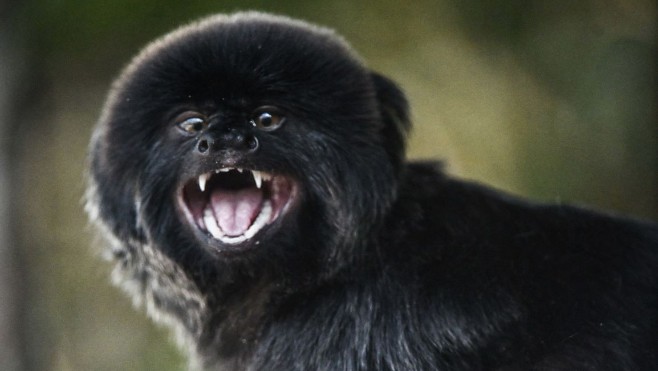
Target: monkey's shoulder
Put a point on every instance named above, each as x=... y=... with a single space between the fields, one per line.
x=436 y=209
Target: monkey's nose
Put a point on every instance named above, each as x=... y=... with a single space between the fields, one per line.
x=238 y=140
x=232 y=139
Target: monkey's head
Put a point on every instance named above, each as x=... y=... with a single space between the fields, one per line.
x=247 y=142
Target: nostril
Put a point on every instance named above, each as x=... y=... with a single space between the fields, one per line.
x=203 y=145
x=252 y=143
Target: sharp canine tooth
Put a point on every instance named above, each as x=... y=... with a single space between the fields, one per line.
x=257 y=178
x=203 y=178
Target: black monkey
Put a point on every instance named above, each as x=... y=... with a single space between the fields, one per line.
x=249 y=174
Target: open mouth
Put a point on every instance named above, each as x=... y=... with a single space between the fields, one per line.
x=233 y=204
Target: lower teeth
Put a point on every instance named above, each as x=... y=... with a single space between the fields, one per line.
x=261 y=220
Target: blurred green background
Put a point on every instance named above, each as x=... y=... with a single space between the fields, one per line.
x=551 y=99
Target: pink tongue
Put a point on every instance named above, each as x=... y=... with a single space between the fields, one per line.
x=235 y=211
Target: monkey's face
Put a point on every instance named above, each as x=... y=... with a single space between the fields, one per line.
x=256 y=138
x=232 y=194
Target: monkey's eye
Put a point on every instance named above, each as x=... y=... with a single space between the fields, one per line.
x=267 y=118
x=191 y=122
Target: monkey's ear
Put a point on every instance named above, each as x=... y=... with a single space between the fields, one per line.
x=110 y=197
x=394 y=109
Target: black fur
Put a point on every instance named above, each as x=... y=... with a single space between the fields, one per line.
x=380 y=264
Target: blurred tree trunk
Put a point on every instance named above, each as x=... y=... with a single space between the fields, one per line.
x=11 y=358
